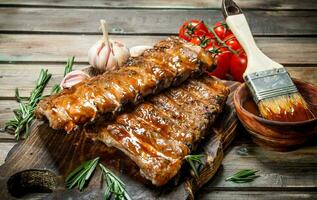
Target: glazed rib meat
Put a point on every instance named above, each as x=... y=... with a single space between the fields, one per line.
x=170 y=62
x=159 y=133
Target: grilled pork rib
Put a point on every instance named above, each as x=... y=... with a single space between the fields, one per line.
x=159 y=133
x=170 y=62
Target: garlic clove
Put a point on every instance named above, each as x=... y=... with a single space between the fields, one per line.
x=138 y=50
x=73 y=78
x=121 y=52
x=112 y=63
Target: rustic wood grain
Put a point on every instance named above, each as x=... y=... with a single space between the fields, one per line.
x=15 y=76
x=4 y=149
x=289 y=175
x=279 y=171
x=56 y=48
x=40 y=151
x=203 y=4
x=259 y=195
x=144 y=21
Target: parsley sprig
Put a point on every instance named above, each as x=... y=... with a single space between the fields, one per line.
x=243 y=176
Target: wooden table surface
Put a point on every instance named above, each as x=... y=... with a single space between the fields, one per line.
x=42 y=34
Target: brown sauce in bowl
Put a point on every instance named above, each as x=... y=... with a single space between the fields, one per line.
x=251 y=106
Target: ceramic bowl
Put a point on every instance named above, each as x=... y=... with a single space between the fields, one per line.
x=281 y=136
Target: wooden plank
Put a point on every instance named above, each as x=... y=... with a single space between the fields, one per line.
x=23 y=76
x=59 y=47
x=52 y=48
x=4 y=149
x=258 y=195
x=6 y=113
x=145 y=21
x=246 y=4
x=278 y=170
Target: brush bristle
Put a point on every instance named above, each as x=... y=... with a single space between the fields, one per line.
x=288 y=108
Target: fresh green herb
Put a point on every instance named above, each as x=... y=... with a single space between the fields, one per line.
x=115 y=186
x=192 y=159
x=81 y=175
x=69 y=65
x=56 y=89
x=68 y=68
x=243 y=176
x=23 y=116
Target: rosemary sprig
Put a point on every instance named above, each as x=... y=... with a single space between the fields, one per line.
x=243 y=176
x=68 y=68
x=114 y=185
x=56 y=89
x=23 y=116
x=81 y=175
x=69 y=65
x=192 y=159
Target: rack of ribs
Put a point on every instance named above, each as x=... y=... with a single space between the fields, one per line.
x=158 y=133
x=170 y=62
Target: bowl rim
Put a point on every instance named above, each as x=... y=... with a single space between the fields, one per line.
x=272 y=122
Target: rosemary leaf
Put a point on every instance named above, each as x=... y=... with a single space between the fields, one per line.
x=56 y=89
x=68 y=68
x=69 y=65
x=243 y=176
x=81 y=174
x=23 y=116
x=192 y=159
x=114 y=185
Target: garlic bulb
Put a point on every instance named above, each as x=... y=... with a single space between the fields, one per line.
x=107 y=55
x=138 y=50
x=73 y=78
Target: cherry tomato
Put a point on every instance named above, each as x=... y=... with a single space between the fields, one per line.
x=232 y=42
x=192 y=28
x=238 y=64
x=214 y=48
x=221 y=29
x=222 y=63
x=196 y=40
x=202 y=41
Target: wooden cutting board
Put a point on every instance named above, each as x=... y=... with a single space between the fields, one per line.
x=43 y=160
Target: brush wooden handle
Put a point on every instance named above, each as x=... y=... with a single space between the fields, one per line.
x=257 y=60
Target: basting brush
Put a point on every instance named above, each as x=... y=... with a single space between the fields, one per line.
x=270 y=84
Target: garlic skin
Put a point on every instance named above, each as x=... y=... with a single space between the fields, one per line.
x=73 y=78
x=121 y=52
x=138 y=50
x=107 y=55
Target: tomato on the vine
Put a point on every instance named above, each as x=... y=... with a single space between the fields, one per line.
x=196 y=40
x=232 y=42
x=222 y=63
x=229 y=57
x=222 y=30
x=238 y=64
x=192 y=28
x=202 y=41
